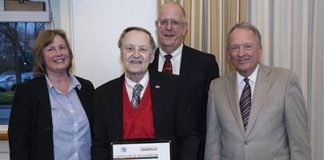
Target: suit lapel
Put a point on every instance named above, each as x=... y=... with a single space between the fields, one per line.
x=43 y=97
x=260 y=93
x=186 y=64
x=156 y=103
x=117 y=107
x=82 y=94
x=231 y=92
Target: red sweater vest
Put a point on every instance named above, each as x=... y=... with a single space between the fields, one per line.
x=138 y=123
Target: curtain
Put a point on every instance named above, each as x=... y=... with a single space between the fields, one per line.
x=293 y=38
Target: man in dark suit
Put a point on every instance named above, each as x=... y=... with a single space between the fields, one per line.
x=162 y=111
x=195 y=68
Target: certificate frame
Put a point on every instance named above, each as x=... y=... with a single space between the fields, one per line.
x=138 y=149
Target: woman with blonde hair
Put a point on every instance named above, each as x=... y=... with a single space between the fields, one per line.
x=52 y=114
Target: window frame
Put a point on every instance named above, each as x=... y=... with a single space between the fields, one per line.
x=22 y=16
x=25 y=16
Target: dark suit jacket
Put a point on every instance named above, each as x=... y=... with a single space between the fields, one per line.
x=197 y=70
x=30 y=125
x=171 y=116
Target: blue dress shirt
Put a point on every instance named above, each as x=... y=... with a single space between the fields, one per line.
x=71 y=129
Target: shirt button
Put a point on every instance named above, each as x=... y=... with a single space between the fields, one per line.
x=245 y=142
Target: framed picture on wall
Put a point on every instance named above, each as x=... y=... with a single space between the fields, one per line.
x=16 y=63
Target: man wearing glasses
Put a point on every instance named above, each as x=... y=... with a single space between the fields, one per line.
x=195 y=68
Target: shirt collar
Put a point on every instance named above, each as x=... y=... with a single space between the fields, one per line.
x=143 y=81
x=74 y=83
x=251 y=77
x=176 y=53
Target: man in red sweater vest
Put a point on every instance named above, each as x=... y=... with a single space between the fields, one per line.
x=156 y=109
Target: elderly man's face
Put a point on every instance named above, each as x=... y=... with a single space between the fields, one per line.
x=136 y=53
x=244 y=50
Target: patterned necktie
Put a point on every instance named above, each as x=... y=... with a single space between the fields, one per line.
x=245 y=103
x=167 y=67
x=136 y=95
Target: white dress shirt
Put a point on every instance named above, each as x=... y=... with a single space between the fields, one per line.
x=240 y=82
x=175 y=60
x=130 y=85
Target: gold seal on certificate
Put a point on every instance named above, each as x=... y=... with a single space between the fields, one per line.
x=154 y=149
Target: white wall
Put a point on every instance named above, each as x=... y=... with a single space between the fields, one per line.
x=95 y=27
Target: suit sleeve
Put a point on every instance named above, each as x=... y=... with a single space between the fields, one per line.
x=86 y=96
x=20 y=125
x=213 y=70
x=213 y=137
x=296 y=121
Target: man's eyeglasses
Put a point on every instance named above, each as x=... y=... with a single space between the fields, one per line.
x=173 y=23
x=237 y=47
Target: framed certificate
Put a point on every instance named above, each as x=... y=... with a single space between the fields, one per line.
x=148 y=149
